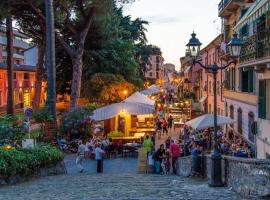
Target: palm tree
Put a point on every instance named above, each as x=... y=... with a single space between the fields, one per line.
x=10 y=65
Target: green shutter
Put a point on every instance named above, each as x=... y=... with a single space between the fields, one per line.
x=262 y=99
x=250 y=80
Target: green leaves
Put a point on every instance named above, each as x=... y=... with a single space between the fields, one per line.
x=27 y=161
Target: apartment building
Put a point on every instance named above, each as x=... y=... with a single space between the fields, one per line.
x=254 y=71
x=155 y=68
x=209 y=56
x=25 y=60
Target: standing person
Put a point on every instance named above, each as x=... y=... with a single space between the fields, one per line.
x=87 y=150
x=159 y=127
x=153 y=140
x=170 y=122
x=168 y=142
x=175 y=153
x=80 y=155
x=164 y=126
x=158 y=157
x=99 y=158
x=147 y=144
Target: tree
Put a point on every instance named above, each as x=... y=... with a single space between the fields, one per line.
x=10 y=65
x=109 y=88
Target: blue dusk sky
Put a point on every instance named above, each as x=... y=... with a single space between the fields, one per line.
x=172 y=22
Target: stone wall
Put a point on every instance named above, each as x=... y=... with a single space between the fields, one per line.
x=58 y=169
x=184 y=166
x=249 y=177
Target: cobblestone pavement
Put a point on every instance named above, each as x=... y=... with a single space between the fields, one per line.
x=119 y=181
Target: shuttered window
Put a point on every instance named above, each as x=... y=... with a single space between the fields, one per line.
x=262 y=99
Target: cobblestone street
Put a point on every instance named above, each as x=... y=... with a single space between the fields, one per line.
x=119 y=181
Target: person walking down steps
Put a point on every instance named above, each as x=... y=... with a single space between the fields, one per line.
x=99 y=158
x=80 y=156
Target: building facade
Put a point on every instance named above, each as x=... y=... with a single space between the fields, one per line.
x=25 y=60
x=253 y=73
x=209 y=56
x=240 y=93
x=155 y=68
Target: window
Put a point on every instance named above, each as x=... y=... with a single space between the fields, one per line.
x=226 y=109
x=210 y=109
x=157 y=75
x=232 y=114
x=14 y=76
x=218 y=88
x=218 y=111
x=230 y=78
x=157 y=67
x=247 y=80
x=264 y=99
x=250 y=123
x=210 y=87
x=4 y=48
x=150 y=74
x=239 y=121
x=26 y=76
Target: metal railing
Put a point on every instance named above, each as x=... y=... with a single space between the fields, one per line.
x=222 y=4
x=256 y=47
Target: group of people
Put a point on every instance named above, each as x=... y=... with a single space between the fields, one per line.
x=164 y=125
x=203 y=138
x=98 y=152
x=165 y=156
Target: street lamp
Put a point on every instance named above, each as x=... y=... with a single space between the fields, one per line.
x=234 y=46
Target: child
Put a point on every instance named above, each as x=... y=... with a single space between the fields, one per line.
x=166 y=164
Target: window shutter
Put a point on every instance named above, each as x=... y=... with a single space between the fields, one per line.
x=262 y=99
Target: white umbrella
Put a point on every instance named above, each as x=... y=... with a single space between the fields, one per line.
x=108 y=112
x=207 y=121
x=139 y=98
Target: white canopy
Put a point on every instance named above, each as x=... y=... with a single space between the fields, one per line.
x=153 y=89
x=108 y=112
x=139 y=98
x=207 y=121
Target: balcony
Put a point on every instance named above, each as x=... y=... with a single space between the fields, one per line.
x=226 y=7
x=248 y=98
x=256 y=47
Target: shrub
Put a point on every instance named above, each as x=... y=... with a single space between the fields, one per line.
x=11 y=130
x=27 y=161
x=77 y=124
x=115 y=134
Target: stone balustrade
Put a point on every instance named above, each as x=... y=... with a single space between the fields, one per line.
x=248 y=177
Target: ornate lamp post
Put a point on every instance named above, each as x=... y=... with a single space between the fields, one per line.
x=235 y=46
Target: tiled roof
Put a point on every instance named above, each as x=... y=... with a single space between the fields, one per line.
x=19 y=67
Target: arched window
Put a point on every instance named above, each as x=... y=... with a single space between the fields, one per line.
x=226 y=109
x=250 y=122
x=231 y=112
x=239 y=120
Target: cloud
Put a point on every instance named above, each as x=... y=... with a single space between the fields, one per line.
x=158 y=19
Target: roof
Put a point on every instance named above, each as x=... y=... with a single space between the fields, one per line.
x=19 y=67
x=15 y=32
x=215 y=42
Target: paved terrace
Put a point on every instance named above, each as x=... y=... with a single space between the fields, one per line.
x=119 y=181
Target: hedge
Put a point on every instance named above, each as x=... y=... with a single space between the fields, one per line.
x=28 y=161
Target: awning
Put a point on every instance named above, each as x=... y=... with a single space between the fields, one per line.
x=187 y=70
x=203 y=99
x=153 y=89
x=255 y=11
x=110 y=111
x=139 y=98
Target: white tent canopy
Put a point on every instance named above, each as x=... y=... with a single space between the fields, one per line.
x=110 y=111
x=207 y=121
x=153 y=89
x=139 y=98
